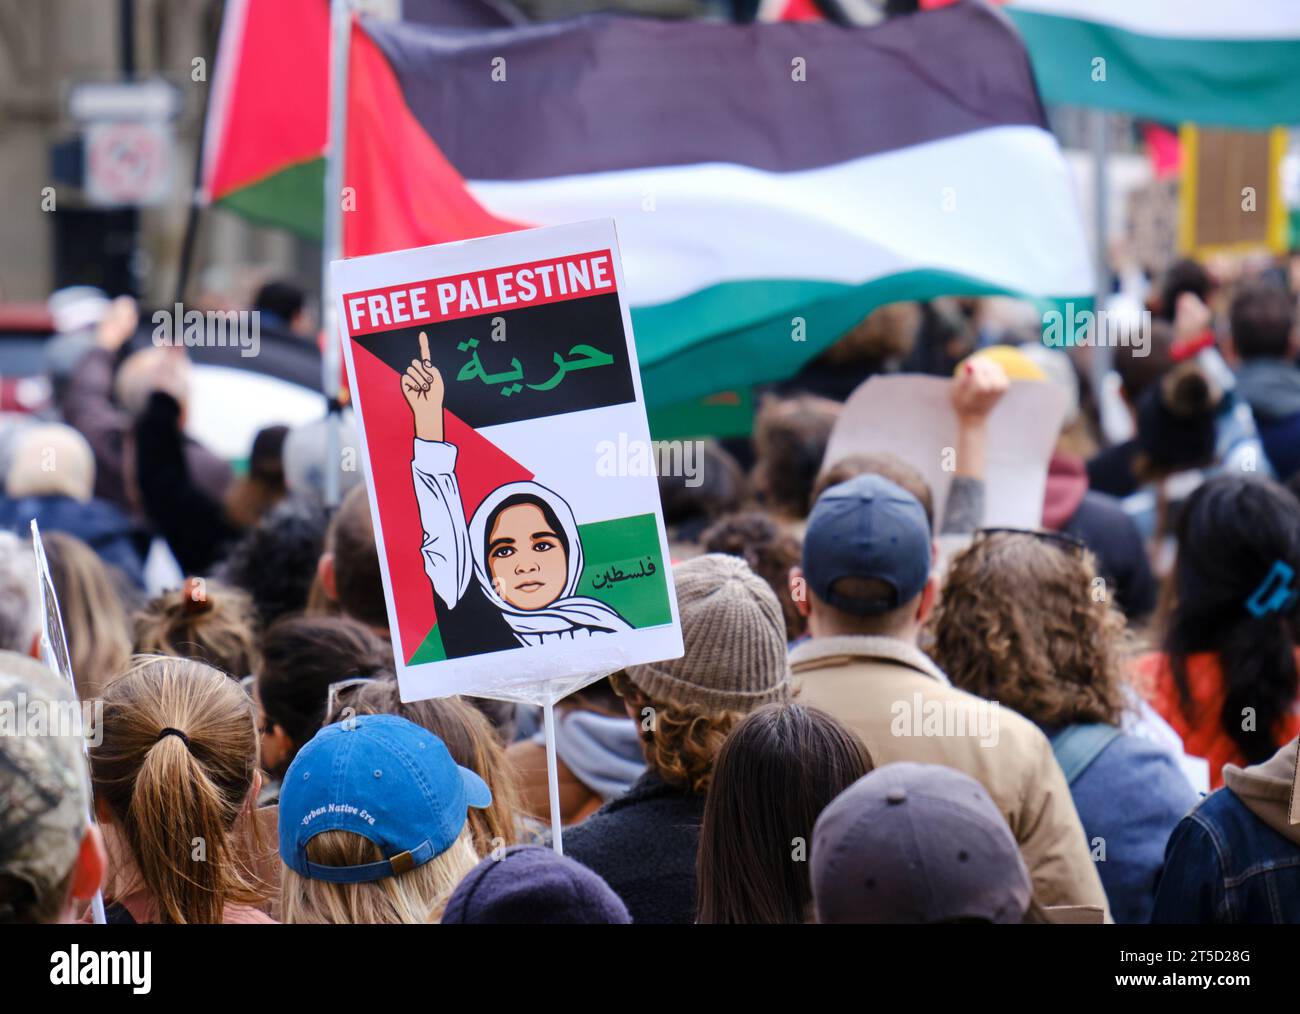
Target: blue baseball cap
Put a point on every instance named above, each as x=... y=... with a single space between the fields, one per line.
x=384 y=778
x=867 y=527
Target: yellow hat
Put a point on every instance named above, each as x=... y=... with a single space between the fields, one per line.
x=1015 y=363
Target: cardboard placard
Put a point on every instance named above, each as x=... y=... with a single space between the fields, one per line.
x=505 y=441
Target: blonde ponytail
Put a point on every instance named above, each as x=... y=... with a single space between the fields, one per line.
x=175 y=768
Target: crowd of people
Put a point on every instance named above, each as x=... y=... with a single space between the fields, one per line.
x=885 y=711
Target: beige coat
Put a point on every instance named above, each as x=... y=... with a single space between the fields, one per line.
x=904 y=708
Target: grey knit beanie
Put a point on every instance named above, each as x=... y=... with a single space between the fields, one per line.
x=734 y=636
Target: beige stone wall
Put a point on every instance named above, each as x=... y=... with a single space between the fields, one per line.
x=48 y=45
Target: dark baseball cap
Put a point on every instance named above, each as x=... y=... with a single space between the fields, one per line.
x=867 y=527
x=530 y=884
x=917 y=843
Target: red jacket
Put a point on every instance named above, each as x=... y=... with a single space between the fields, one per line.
x=1202 y=733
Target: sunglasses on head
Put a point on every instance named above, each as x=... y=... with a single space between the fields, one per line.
x=1059 y=539
x=344 y=689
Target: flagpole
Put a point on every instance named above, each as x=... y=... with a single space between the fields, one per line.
x=553 y=777
x=1102 y=354
x=332 y=241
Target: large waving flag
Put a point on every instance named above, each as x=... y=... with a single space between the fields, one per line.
x=771 y=184
x=268 y=114
x=1201 y=61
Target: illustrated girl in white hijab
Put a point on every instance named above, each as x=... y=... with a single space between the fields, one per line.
x=521 y=546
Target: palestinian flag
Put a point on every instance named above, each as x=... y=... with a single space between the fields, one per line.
x=1199 y=61
x=771 y=184
x=265 y=159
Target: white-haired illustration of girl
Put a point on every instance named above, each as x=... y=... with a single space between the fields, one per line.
x=521 y=546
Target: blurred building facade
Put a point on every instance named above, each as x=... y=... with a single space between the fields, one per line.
x=52 y=233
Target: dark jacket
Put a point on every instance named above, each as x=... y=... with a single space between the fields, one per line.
x=1130 y=798
x=191 y=520
x=1271 y=387
x=644 y=844
x=97 y=523
x=86 y=404
x=1236 y=857
x=1099 y=522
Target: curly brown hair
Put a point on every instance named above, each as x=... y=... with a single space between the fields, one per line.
x=1019 y=622
x=679 y=744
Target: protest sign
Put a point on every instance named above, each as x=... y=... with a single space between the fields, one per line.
x=911 y=417
x=490 y=377
x=54 y=653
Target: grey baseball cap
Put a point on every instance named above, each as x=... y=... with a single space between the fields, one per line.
x=44 y=785
x=917 y=843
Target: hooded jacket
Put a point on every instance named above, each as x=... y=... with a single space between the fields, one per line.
x=1272 y=389
x=1236 y=857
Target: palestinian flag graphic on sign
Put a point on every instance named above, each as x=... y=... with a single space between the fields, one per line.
x=486 y=398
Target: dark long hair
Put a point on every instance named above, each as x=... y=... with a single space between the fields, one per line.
x=514 y=501
x=777 y=770
x=1231 y=533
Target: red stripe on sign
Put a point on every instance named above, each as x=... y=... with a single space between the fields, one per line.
x=480 y=468
x=476 y=292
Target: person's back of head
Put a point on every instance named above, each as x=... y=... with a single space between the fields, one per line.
x=20 y=621
x=1176 y=422
x=373 y=824
x=302 y=657
x=151 y=369
x=867 y=554
x=468 y=736
x=350 y=566
x=1235 y=594
x=203 y=620
x=282 y=297
x=790 y=437
x=1183 y=276
x=1262 y=319
x=176 y=767
x=770 y=552
x=51 y=460
x=51 y=856
x=892 y=467
x=1018 y=623
x=735 y=661
x=917 y=843
x=1136 y=371
x=276 y=561
x=252 y=495
x=716 y=487
x=531 y=885
x=779 y=767
x=90 y=605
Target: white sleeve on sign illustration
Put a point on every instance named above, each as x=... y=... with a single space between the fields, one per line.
x=445 y=548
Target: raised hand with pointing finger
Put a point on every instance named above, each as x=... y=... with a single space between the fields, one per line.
x=423 y=390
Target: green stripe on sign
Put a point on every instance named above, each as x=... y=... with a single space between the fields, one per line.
x=1227 y=82
x=292 y=198
x=693 y=347
x=430 y=649
x=623 y=567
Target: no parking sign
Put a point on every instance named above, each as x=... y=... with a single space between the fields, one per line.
x=128 y=163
